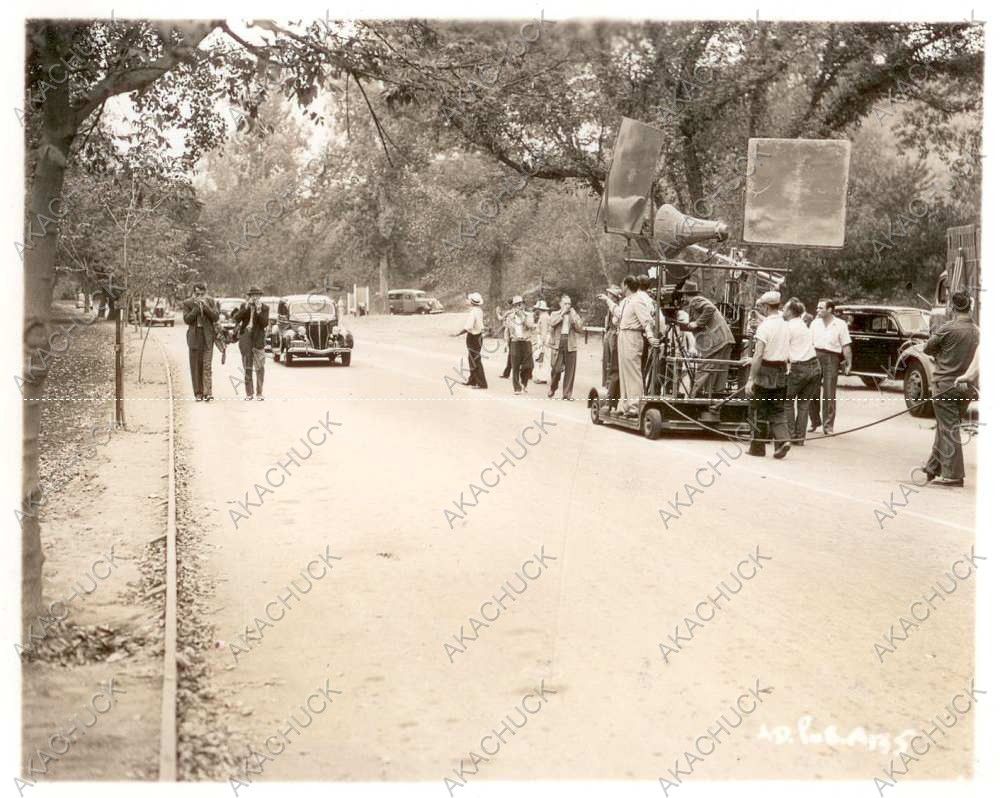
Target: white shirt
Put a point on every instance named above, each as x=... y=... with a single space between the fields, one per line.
x=832 y=337
x=774 y=334
x=474 y=321
x=800 y=345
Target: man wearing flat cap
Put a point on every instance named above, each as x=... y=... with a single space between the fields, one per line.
x=252 y=319
x=953 y=347
x=768 y=380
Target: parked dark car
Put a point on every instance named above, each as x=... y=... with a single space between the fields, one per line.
x=880 y=334
x=227 y=307
x=410 y=300
x=309 y=327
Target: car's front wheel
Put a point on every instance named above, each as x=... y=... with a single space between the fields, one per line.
x=917 y=389
x=289 y=358
x=346 y=358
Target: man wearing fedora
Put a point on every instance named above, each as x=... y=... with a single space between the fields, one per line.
x=200 y=313
x=612 y=297
x=252 y=319
x=713 y=339
x=768 y=380
x=473 y=332
x=519 y=324
x=542 y=356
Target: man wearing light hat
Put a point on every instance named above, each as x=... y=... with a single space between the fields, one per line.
x=473 y=332
x=612 y=297
x=519 y=323
x=252 y=317
x=768 y=380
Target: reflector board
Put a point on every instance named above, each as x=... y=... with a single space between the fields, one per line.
x=633 y=168
x=796 y=192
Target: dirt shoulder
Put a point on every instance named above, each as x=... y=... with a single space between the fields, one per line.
x=91 y=679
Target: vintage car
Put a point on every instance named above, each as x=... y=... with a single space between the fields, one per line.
x=309 y=327
x=410 y=300
x=271 y=335
x=880 y=334
x=158 y=311
x=228 y=305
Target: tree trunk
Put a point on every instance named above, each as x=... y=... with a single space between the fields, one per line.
x=39 y=280
x=495 y=293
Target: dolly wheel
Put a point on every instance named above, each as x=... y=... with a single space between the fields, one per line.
x=652 y=423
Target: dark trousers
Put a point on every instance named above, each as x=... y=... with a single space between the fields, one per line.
x=804 y=381
x=253 y=360
x=474 y=344
x=200 y=362
x=946 y=458
x=610 y=365
x=520 y=363
x=565 y=362
x=506 y=369
x=712 y=377
x=767 y=409
x=829 y=363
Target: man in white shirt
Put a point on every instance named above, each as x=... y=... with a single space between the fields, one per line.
x=768 y=380
x=833 y=345
x=804 y=373
x=473 y=332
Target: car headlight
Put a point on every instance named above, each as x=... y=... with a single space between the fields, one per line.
x=300 y=331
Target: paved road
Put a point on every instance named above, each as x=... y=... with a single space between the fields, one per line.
x=592 y=623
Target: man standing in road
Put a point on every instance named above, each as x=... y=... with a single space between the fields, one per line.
x=833 y=345
x=768 y=380
x=804 y=373
x=953 y=347
x=566 y=325
x=253 y=317
x=200 y=313
x=519 y=323
x=612 y=297
x=634 y=327
x=473 y=332
x=542 y=367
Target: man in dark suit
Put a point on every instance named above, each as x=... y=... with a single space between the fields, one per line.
x=200 y=313
x=252 y=317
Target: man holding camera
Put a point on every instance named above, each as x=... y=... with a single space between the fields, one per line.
x=519 y=323
x=565 y=325
x=252 y=319
x=200 y=313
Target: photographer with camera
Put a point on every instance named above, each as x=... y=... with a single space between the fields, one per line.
x=252 y=319
x=565 y=325
x=519 y=324
x=200 y=313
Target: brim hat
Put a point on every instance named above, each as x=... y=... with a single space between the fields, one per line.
x=254 y=290
x=614 y=290
x=770 y=298
x=517 y=300
x=540 y=305
x=475 y=298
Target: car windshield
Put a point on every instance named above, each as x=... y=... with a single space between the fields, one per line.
x=229 y=304
x=913 y=322
x=312 y=307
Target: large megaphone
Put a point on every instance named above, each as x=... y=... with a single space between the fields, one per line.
x=673 y=230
